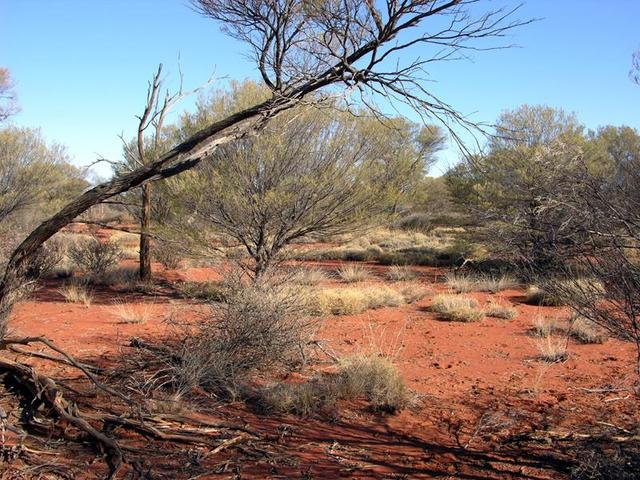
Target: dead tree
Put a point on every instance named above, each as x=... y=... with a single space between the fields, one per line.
x=144 y=150
x=300 y=48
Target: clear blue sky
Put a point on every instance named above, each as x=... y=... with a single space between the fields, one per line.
x=81 y=66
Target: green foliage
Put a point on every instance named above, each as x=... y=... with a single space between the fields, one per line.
x=8 y=104
x=35 y=181
x=36 y=177
x=95 y=257
x=311 y=171
x=530 y=166
x=430 y=204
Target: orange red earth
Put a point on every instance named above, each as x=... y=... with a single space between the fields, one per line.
x=481 y=391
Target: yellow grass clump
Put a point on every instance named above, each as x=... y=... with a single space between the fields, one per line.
x=457 y=308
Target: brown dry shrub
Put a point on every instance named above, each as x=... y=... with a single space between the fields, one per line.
x=258 y=328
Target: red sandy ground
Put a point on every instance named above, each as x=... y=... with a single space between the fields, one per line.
x=480 y=388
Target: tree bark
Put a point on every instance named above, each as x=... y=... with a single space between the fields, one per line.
x=145 y=240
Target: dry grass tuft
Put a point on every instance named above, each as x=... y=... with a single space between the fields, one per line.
x=400 y=273
x=370 y=377
x=585 y=331
x=339 y=301
x=376 y=378
x=354 y=273
x=464 y=283
x=354 y=300
x=304 y=399
x=457 y=308
x=460 y=283
x=538 y=296
x=552 y=349
x=413 y=292
x=76 y=293
x=544 y=327
x=309 y=276
x=498 y=310
x=131 y=312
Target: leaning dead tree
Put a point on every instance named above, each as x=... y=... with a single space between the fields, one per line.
x=300 y=47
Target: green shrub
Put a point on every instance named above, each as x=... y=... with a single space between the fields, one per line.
x=416 y=222
x=95 y=257
x=167 y=255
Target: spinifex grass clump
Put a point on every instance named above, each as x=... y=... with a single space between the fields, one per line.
x=370 y=377
x=457 y=308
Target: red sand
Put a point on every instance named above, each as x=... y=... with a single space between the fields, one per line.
x=479 y=377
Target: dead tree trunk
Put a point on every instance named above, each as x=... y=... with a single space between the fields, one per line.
x=145 y=240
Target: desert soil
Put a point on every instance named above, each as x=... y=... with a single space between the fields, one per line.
x=484 y=403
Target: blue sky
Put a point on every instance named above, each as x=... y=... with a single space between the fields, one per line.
x=81 y=66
